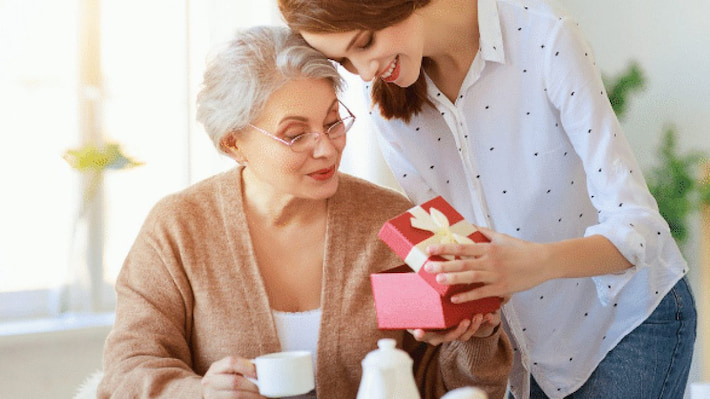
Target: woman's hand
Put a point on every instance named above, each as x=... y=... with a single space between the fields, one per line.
x=504 y=266
x=226 y=378
x=479 y=326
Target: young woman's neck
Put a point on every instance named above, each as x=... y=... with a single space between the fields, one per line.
x=451 y=42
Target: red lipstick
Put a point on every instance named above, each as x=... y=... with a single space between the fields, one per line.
x=323 y=174
x=395 y=72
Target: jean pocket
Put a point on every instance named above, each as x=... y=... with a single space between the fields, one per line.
x=678 y=304
x=667 y=310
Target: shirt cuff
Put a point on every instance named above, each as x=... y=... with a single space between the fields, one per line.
x=631 y=244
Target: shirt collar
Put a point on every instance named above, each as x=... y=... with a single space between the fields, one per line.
x=491 y=39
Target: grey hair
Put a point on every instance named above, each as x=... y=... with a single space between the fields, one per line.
x=241 y=77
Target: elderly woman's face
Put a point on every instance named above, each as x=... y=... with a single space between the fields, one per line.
x=298 y=107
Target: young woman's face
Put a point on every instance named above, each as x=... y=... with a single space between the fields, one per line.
x=299 y=106
x=393 y=54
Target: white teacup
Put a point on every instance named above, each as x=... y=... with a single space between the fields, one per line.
x=284 y=374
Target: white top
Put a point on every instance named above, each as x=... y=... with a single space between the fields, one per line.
x=541 y=156
x=298 y=331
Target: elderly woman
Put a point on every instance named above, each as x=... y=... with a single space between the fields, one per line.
x=274 y=254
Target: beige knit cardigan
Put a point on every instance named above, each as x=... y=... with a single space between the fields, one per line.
x=190 y=293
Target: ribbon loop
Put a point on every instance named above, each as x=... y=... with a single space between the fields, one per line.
x=436 y=222
x=443 y=231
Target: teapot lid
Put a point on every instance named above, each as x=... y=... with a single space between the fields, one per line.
x=387 y=356
x=466 y=393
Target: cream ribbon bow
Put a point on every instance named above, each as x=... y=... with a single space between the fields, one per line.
x=444 y=233
x=436 y=222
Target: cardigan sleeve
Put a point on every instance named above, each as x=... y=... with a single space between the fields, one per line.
x=147 y=353
x=481 y=362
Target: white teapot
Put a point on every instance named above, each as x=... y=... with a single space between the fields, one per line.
x=387 y=374
x=466 y=393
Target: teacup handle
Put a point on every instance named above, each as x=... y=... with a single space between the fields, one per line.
x=254 y=380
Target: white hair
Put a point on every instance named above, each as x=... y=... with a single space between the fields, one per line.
x=248 y=69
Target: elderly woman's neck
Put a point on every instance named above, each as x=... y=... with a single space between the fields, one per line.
x=286 y=212
x=269 y=208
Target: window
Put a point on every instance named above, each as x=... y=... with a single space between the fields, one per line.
x=80 y=71
x=125 y=71
x=38 y=108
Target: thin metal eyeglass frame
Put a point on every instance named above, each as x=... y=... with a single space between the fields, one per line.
x=347 y=122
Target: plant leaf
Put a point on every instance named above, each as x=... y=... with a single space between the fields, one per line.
x=92 y=158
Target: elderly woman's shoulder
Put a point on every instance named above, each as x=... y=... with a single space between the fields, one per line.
x=365 y=194
x=202 y=197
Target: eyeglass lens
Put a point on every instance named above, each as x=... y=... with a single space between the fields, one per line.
x=305 y=142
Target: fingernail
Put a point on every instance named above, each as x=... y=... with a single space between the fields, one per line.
x=455 y=299
x=431 y=249
x=430 y=267
x=441 y=278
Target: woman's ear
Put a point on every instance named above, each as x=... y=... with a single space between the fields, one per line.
x=230 y=147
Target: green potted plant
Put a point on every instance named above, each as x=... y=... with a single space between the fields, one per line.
x=675 y=185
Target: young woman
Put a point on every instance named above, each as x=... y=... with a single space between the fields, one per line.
x=497 y=105
x=274 y=254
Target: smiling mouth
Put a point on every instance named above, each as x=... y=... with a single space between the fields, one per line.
x=392 y=73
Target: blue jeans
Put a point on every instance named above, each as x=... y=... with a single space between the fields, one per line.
x=653 y=361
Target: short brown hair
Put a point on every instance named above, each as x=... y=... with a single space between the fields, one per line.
x=333 y=16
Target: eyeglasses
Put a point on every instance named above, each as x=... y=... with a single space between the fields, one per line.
x=305 y=142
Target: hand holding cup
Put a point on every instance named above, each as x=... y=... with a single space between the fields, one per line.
x=284 y=374
x=274 y=375
x=229 y=376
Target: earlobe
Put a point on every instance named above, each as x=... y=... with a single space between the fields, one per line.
x=237 y=155
x=229 y=146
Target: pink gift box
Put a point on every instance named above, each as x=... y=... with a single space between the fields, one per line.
x=404 y=299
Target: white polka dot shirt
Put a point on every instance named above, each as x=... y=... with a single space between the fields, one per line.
x=531 y=148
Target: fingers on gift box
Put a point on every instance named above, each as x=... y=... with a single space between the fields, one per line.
x=409 y=297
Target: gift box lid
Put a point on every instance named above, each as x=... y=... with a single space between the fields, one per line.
x=435 y=221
